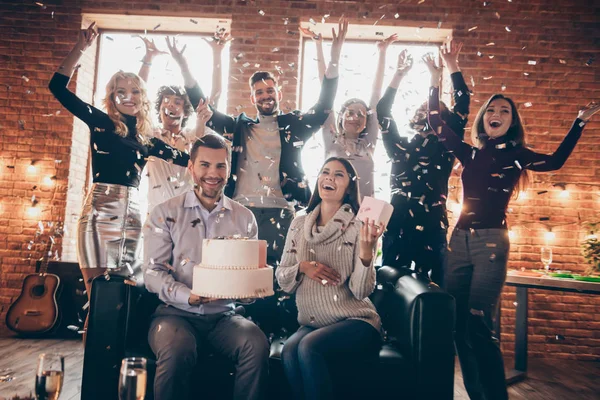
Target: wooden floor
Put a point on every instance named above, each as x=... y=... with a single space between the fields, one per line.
x=548 y=379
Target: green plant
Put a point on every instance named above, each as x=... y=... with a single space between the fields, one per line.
x=590 y=248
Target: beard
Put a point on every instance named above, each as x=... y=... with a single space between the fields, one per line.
x=268 y=109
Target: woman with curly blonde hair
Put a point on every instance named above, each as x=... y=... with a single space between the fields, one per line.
x=109 y=229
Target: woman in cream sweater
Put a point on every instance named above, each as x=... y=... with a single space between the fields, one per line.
x=328 y=261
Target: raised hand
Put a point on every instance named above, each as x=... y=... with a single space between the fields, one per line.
x=588 y=111
x=450 y=52
x=385 y=43
x=405 y=62
x=203 y=112
x=307 y=32
x=434 y=70
x=176 y=53
x=87 y=37
x=320 y=272
x=338 y=40
x=369 y=236
x=151 y=49
x=218 y=41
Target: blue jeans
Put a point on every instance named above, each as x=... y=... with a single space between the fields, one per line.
x=475 y=275
x=306 y=352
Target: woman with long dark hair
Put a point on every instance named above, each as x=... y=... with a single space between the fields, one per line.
x=328 y=262
x=477 y=263
x=109 y=230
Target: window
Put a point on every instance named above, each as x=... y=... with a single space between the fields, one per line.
x=357 y=66
x=123 y=51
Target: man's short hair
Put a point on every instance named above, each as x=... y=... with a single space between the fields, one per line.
x=178 y=91
x=212 y=141
x=261 y=76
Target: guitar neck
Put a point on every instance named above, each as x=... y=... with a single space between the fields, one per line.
x=46 y=257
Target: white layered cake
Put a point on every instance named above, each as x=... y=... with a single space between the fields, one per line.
x=233 y=269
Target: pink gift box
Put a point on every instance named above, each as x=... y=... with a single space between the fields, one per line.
x=375 y=210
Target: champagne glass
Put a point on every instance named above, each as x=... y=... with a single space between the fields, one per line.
x=132 y=381
x=49 y=376
x=546 y=257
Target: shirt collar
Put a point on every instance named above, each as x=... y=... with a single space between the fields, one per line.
x=267 y=118
x=192 y=201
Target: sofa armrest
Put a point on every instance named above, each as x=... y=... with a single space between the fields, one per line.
x=419 y=319
x=119 y=315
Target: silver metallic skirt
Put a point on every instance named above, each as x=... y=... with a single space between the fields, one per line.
x=109 y=233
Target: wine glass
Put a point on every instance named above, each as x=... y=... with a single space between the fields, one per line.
x=132 y=381
x=49 y=376
x=546 y=257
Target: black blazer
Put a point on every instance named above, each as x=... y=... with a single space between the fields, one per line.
x=295 y=128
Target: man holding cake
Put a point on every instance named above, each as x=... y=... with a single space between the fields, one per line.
x=175 y=237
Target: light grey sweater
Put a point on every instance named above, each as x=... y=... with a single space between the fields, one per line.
x=337 y=246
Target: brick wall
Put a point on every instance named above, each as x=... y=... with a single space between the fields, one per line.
x=560 y=36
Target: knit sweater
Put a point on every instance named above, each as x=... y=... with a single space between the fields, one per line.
x=337 y=246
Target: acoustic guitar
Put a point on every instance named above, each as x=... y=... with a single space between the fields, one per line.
x=36 y=311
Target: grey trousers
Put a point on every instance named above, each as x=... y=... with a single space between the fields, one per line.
x=176 y=336
x=474 y=275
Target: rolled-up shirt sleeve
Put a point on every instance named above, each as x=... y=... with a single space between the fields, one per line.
x=158 y=252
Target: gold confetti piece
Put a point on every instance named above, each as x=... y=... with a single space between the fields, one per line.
x=532 y=62
x=491 y=44
x=507 y=28
x=528 y=104
x=472 y=29
x=261 y=12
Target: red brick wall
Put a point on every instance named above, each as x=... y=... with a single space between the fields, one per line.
x=34 y=41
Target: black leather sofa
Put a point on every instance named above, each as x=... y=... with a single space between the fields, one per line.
x=415 y=362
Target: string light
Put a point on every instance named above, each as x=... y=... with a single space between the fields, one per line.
x=456 y=208
x=564 y=194
x=522 y=195
x=48 y=180
x=512 y=234
x=33 y=212
x=31 y=169
x=549 y=235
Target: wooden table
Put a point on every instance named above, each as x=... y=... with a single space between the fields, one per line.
x=523 y=283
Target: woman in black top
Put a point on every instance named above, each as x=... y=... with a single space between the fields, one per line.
x=110 y=223
x=479 y=246
x=421 y=166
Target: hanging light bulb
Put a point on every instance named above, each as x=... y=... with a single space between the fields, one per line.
x=564 y=194
x=33 y=212
x=512 y=234
x=549 y=235
x=31 y=169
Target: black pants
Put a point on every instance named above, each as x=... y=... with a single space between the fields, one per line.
x=427 y=248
